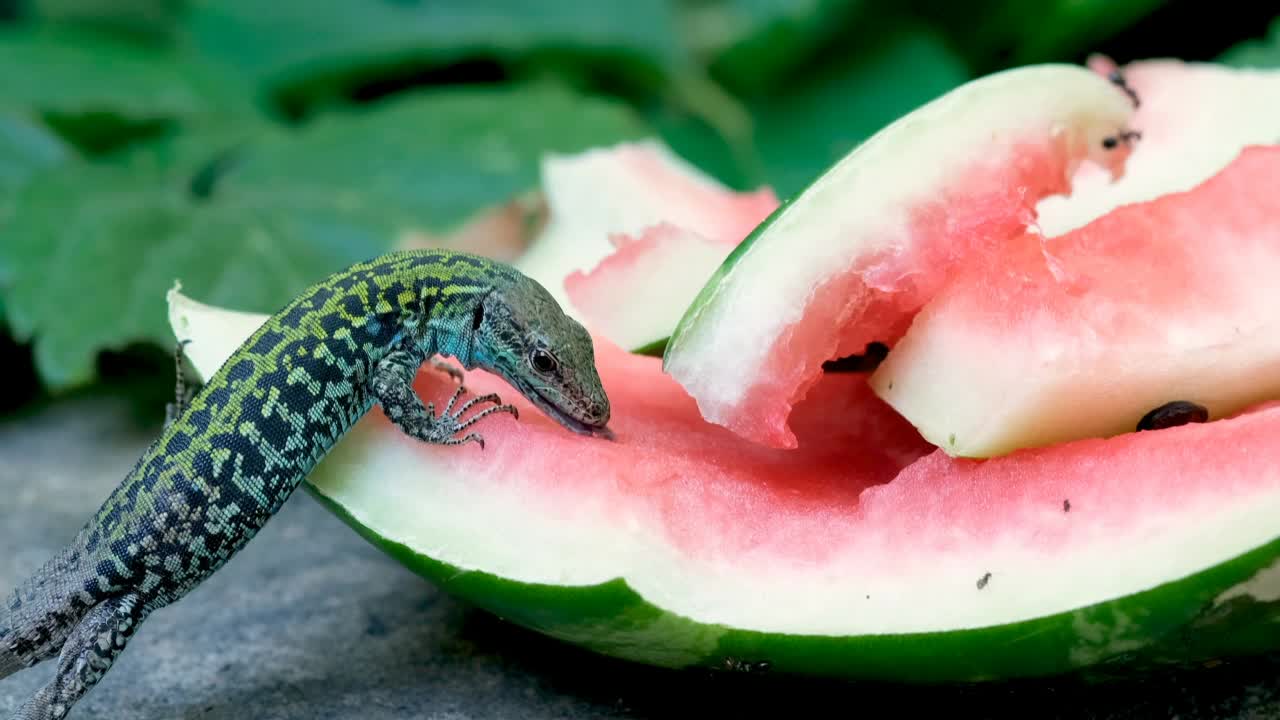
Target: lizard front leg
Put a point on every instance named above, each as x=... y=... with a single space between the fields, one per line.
x=89 y=652
x=392 y=387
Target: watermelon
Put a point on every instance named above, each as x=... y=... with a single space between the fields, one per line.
x=636 y=295
x=861 y=549
x=605 y=199
x=1194 y=118
x=864 y=553
x=850 y=259
x=1156 y=302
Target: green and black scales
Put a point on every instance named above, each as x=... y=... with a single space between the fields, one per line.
x=229 y=458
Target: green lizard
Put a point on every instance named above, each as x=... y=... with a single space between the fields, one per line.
x=230 y=457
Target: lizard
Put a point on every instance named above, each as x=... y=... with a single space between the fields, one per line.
x=232 y=453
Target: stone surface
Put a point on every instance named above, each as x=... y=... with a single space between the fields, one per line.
x=310 y=621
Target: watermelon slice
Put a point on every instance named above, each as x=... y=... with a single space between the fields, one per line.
x=1188 y=323
x=851 y=259
x=1168 y=300
x=636 y=296
x=864 y=553
x=599 y=197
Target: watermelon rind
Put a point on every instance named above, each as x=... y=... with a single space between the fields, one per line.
x=1207 y=616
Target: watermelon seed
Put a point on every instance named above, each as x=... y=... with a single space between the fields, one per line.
x=951 y=439
x=869 y=360
x=1066 y=506
x=982 y=581
x=1173 y=414
x=1117 y=78
x=1111 y=142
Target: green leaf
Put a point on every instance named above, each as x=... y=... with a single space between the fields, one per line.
x=825 y=114
x=750 y=45
x=98 y=90
x=25 y=148
x=93 y=248
x=296 y=50
x=438 y=157
x=695 y=140
x=149 y=20
x=1262 y=53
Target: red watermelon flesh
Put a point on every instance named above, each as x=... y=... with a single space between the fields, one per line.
x=1152 y=303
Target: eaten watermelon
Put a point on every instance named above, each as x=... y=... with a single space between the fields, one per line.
x=1194 y=119
x=1157 y=302
x=849 y=260
x=863 y=550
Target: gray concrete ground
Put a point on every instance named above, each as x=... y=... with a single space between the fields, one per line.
x=310 y=621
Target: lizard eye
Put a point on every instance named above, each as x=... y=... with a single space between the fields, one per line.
x=542 y=361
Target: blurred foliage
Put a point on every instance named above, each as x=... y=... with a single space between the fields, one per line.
x=247 y=147
x=152 y=21
x=26 y=148
x=355 y=48
x=1261 y=53
x=249 y=218
x=846 y=98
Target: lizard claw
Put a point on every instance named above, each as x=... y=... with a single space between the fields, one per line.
x=450 y=423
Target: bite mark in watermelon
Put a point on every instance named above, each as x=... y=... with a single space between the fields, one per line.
x=1154 y=302
x=851 y=259
x=1195 y=118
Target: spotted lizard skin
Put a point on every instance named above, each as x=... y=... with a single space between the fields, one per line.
x=229 y=458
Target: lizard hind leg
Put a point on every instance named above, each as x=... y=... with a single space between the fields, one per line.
x=181 y=393
x=37 y=617
x=89 y=652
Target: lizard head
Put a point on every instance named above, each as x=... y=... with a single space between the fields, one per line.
x=522 y=334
